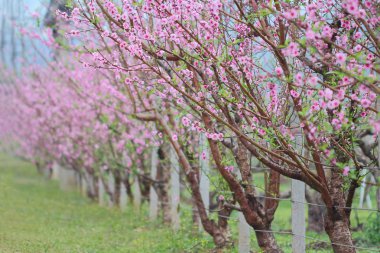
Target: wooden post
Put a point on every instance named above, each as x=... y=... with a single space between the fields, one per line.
x=78 y=180
x=111 y=185
x=55 y=171
x=123 y=197
x=175 y=189
x=298 y=210
x=204 y=185
x=83 y=184
x=101 y=191
x=244 y=234
x=91 y=185
x=244 y=230
x=136 y=194
x=153 y=197
x=67 y=179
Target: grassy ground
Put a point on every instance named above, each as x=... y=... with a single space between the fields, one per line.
x=35 y=216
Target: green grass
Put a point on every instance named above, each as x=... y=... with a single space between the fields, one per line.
x=35 y=216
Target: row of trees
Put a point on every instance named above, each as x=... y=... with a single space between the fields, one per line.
x=293 y=84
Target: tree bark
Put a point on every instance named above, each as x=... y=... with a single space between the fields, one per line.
x=128 y=187
x=163 y=177
x=254 y=212
x=219 y=238
x=337 y=224
x=267 y=242
x=117 y=189
x=340 y=235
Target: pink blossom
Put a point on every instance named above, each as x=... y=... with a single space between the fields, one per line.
x=204 y=155
x=229 y=168
x=328 y=94
x=185 y=121
x=294 y=94
x=278 y=71
x=261 y=132
x=346 y=171
x=365 y=103
x=291 y=14
x=313 y=80
x=340 y=58
x=333 y=104
x=310 y=35
x=326 y=31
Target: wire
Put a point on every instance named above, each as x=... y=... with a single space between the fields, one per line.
x=317 y=240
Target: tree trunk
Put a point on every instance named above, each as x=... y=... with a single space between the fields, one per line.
x=195 y=213
x=209 y=225
x=95 y=184
x=254 y=212
x=117 y=189
x=163 y=177
x=337 y=224
x=107 y=188
x=340 y=236
x=128 y=187
x=267 y=242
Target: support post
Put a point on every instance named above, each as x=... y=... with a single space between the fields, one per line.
x=83 y=183
x=298 y=209
x=153 y=197
x=136 y=194
x=101 y=191
x=244 y=234
x=175 y=189
x=55 y=171
x=298 y=216
x=204 y=184
x=111 y=185
x=123 y=197
x=244 y=231
x=67 y=179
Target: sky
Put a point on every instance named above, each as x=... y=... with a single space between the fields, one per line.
x=12 y=47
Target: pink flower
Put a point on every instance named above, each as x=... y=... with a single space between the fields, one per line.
x=313 y=80
x=279 y=71
x=271 y=86
x=174 y=137
x=328 y=94
x=326 y=31
x=229 y=168
x=376 y=126
x=372 y=96
x=294 y=94
x=203 y=155
x=357 y=48
x=262 y=132
x=186 y=121
x=333 y=104
x=340 y=58
x=310 y=35
x=315 y=107
x=346 y=171
x=365 y=103
x=291 y=14
x=221 y=198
